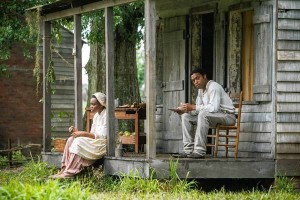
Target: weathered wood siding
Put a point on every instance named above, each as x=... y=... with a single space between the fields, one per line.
x=256 y=131
x=62 y=101
x=288 y=88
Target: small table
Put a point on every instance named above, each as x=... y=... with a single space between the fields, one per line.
x=135 y=114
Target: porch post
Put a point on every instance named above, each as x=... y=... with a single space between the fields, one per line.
x=150 y=66
x=77 y=71
x=110 y=107
x=46 y=88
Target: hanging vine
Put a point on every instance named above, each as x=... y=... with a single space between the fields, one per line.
x=33 y=21
x=50 y=74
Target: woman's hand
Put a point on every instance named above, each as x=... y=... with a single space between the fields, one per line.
x=72 y=129
x=78 y=134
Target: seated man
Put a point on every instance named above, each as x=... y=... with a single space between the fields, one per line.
x=213 y=106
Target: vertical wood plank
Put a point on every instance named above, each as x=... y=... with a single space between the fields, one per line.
x=78 y=71
x=150 y=65
x=220 y=42
x=109 y=41
x=247 y=56
x=46 y=88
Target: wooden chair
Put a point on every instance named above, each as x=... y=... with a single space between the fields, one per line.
x=222 y=131
x=89 y=119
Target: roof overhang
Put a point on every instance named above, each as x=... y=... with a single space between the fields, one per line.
x=67 y=8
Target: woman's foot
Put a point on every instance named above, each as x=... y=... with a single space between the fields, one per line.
x=59 y=176
x=61 y=171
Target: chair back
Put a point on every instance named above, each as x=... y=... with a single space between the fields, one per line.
x=239 y=113
x=89 y=119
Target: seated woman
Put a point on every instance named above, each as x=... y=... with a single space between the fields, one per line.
x=83 y=148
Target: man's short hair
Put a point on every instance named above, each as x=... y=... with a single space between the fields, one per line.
x=202 y=71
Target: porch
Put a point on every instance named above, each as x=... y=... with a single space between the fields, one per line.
x=208 y=168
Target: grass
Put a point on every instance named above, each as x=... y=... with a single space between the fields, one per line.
x=31 y=182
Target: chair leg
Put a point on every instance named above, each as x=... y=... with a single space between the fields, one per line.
x=236 y=147
x=226 y=142
x=216 y=142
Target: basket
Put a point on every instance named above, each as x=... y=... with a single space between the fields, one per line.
x=59 y=144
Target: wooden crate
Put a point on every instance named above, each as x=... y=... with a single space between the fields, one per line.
x=128 y=139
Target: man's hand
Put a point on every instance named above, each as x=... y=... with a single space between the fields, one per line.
x=187 y=107
x=179 y=111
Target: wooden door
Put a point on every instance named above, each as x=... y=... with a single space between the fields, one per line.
x=174 y=73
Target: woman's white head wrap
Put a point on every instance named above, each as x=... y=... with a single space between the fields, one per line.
x=101 y=98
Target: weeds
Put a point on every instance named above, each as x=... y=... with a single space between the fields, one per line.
x=16 y=156
x=135 y=183
x=31 y=182
x=177 y=184
x=284 y=184
x=3 y=161
x=52 y=189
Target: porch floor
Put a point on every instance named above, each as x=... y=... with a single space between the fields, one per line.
x=209 y=167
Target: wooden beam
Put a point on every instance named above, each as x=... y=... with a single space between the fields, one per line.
x=195 y=168
x=110 y=108
x=46 y=89
x=86 y=8
x=78 y=71
x=150 y=66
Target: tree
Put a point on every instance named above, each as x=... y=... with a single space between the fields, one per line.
x=13 y=30
x=128 y=21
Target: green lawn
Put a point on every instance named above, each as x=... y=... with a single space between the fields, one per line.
x=31 y=182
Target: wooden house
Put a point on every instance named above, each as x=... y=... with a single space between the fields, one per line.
x=248 y=45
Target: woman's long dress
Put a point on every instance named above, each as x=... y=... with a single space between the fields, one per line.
x=81 y=152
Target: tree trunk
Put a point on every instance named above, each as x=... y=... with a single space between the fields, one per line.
x=96 y=65
x=96 y=69
x=126 y=82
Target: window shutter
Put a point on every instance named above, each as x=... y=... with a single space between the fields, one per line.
x=235 y=47
x=263 y=48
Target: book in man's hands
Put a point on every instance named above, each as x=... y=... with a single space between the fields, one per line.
x=175 y=109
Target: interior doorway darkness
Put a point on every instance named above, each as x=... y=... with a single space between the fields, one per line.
x=202 y=45
x=202 y=41
x=207 y=53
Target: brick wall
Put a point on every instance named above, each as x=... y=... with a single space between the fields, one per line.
x=21 y=113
